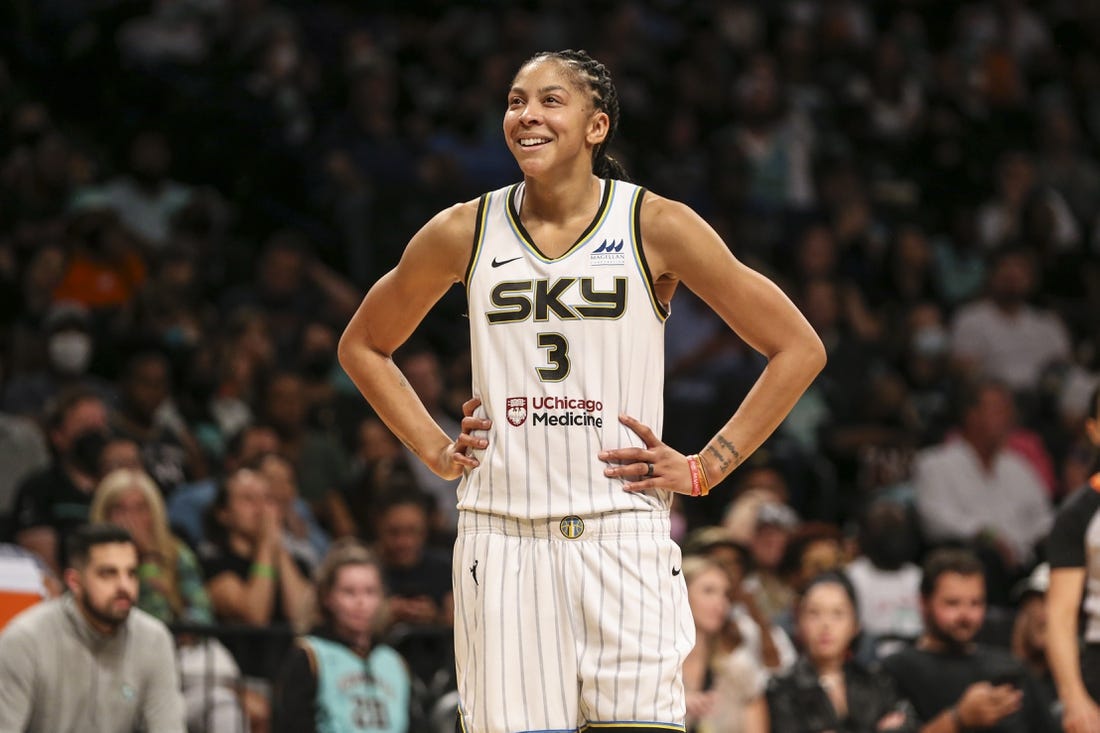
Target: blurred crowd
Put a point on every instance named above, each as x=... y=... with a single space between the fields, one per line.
x=195 y=194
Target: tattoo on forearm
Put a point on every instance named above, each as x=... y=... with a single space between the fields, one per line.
x=728 y=458
x=723 y=462
x=735 y=455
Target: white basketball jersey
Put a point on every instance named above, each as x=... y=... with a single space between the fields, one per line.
x=561 y=347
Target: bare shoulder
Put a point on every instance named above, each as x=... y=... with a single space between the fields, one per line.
x=663 y=218
x=677 y=240
x=453 y=226
x=457 y=221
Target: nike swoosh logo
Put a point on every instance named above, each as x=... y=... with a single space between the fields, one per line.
x=675 y=571
x=498 y=263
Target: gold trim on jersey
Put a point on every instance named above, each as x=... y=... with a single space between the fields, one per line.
x=629 y=726
x=521 y=232
x=659 y=308
x=479 y=236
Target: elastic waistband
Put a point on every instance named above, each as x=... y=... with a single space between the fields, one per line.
x=572 y=528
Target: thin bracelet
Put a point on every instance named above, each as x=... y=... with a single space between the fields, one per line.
x=703 y=474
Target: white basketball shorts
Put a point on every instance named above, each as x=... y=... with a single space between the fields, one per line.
x=574 y=624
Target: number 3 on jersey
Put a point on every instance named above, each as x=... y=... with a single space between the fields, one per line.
x=557 y=354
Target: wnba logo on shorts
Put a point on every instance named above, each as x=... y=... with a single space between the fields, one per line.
x=572 y=527
x=516 y=410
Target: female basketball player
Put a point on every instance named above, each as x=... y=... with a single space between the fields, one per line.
x=570 y=606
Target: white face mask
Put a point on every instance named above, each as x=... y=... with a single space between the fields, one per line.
x=70 y=351
x=930 y=341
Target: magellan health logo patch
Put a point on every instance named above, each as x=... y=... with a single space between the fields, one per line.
x=517 y=410
x=610 y=252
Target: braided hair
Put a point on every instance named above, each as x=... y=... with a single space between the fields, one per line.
x=590 y=73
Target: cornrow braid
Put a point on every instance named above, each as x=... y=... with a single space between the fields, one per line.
x=589 y=72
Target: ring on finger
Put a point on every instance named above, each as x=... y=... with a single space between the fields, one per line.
x=649 y=470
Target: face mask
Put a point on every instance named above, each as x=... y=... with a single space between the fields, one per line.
x=85 y=450
x=318 y=365
x=70 y=351
x=930 y=341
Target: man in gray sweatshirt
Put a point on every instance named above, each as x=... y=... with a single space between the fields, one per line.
x=89 y=661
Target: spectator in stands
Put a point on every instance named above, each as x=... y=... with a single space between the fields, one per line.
x=70 y=346
x=318 y=456
x=1001 y=220
x=724 y=682
x=146 y=414
x=145 y=197
x=245 y=357
x=772 y=528
x=53 y=501
x=1029 y=636
x=954 y=683
x=301 y=535
x=1064 y=165
x=341 y=676
x=775 y=141
x=104 y=270
x=89 y=660
x=973 y=490
x=171 y=311
x=925 y=365
x=378 y=463
x=251 y=578
x=885 y=576
x=170 y=588
x=758 y=481
x=118 y=452
x=22 y=452
x=765 y=641
x=813 y=548
x=34 y=283
x=827 y=690
x=188 y=503
x=1002 y=335
x=417 y=576
x=291 y=287
x=39 y=170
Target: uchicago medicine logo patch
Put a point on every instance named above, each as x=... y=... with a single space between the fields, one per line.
x=557 y=411
x=517 y=410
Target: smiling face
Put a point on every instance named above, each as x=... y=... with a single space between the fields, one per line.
x=550 y=122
